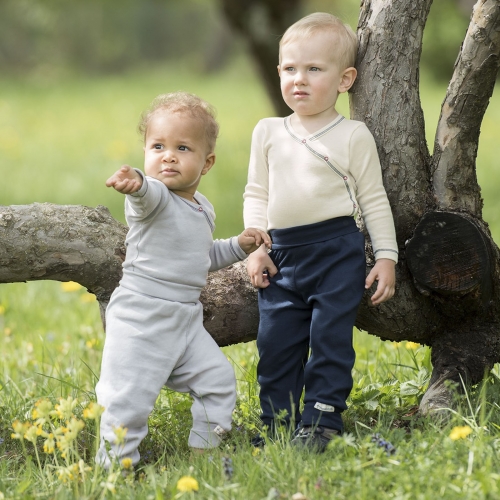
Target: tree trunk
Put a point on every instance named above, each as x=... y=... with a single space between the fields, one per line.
x=262 y=23
x=448 y=276
x=447 y=295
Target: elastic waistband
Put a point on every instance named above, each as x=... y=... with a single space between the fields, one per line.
x=312 y=233
x=174 y=292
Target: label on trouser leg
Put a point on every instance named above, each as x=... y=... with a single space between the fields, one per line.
x=323 y=407
x=220 y=431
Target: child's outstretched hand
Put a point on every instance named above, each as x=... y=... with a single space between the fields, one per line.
x=384 y=272
x=125 y=181
x=251 y=239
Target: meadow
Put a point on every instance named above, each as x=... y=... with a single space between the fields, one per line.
x=60 y=138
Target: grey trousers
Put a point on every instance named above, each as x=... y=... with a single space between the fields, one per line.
x=150 y=343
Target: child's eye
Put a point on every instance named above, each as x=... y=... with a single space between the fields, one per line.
x=157 y=146
x=314 y=68
x=183 y=148
x=290 y=68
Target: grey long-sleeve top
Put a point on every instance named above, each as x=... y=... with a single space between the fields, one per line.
x=170 y=248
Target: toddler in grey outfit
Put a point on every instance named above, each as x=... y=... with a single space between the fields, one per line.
x=154 y=320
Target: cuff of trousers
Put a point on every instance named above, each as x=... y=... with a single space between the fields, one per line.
x=324 y=419
x=210 y=436
x=105 y=459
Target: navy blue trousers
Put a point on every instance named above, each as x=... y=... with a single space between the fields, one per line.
x=307 y=315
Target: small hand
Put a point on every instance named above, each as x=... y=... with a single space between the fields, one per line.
x=251 y=239
x=260 y=268
x=125 y=181
x=384 y=272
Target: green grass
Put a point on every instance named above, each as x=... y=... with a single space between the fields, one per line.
x=59 y=141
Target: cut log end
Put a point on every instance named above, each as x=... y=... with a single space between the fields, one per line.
x=448 y=254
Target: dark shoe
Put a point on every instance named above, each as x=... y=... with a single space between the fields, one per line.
x=258 y=441
x=274 y=434
x=314 y=438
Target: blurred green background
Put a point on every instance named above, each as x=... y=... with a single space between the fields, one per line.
x=75 y=76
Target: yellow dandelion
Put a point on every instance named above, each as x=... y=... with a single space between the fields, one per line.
x=20 y=429
x=2 y=310
x=256 y=452
x=109 y=484
x=49 y=444
x=120 y=433
x=61 y=430
x=64 y=410
x=412 y=345
x=74 y=427
x=127 y=463
x=83 y=468
x=70 y=286
x=93 y=411
x=91 y=343
x=187 y=483
x=31 y=434
x=62 y=474
x=88 y=297
x=460 y=432
x=67 y=474
x=42 y=410
x=7 y=332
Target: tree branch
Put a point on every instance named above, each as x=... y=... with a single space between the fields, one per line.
x=386 y=97
x=86 y=245
x=457 y=136
x=43 y=241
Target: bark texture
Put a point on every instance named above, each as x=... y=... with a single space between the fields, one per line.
x=43 y=241
x=454 y=178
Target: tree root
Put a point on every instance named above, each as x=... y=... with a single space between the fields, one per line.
x=439 y=398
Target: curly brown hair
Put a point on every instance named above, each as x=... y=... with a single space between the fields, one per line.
x=183 y=102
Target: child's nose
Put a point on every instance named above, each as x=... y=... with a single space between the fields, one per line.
x=169 y=156
x=300 y=78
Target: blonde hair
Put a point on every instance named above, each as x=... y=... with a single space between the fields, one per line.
x=183 y=102
x=345 y=40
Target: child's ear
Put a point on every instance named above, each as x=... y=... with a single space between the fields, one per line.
x=347 y=79
x=279 y=70
x=209 y=163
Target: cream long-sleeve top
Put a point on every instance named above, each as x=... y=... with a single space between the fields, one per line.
x=334 y=172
